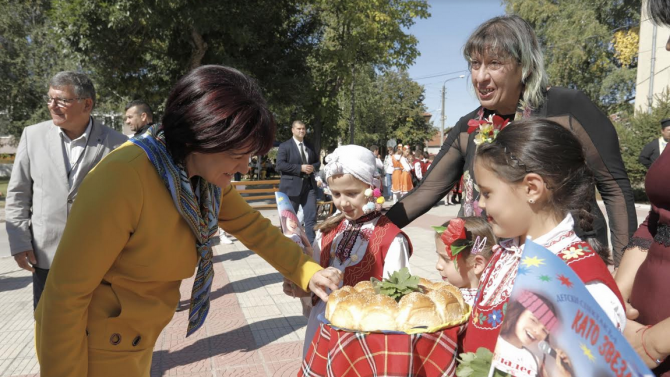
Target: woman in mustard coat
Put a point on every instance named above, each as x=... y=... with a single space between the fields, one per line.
x=143 y=222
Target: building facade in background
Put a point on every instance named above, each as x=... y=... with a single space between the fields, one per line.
x=653 y=67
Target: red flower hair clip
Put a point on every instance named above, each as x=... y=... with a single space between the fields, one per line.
x=455 y=231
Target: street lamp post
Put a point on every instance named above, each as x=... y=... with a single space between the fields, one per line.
x=444 y=91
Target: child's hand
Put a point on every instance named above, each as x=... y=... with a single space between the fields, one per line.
x=328 y=278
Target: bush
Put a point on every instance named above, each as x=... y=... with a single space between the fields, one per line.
x=635 y=131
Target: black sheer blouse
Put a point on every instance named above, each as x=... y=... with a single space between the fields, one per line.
x=570 y=108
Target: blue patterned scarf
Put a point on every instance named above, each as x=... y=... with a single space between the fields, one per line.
x=198 y=206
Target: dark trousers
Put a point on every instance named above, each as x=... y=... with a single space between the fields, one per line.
x=39 y=280
x=306 y=199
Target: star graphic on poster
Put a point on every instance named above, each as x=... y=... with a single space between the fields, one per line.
x=523 y=270
x=533 y=262
x=565 y=281
x=587 y=352
x=280 y=199
x=545 y=278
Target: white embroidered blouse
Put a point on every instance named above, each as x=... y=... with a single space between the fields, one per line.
x=499 y=285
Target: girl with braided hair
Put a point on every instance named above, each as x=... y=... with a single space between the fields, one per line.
x=532 y=178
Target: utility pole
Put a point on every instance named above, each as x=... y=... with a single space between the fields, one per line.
x=443 y=117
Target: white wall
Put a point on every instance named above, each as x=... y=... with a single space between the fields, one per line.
x=661 y=72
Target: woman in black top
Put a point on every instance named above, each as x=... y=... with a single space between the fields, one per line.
x=508 y=76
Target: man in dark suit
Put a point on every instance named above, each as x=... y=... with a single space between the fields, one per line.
x=653 y=149
x=297 y=162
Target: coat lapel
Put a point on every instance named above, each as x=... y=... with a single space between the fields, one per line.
x=93 y=149
x=55 y=146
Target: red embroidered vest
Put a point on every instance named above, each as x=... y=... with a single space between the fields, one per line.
x=372 y=264
x=485 y=322
x=424 y=167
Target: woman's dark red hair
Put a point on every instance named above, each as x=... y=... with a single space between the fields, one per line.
x=216 y=109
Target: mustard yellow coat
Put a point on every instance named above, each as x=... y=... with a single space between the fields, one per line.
x=119 y=266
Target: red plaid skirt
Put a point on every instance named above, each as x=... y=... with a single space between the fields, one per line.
x=337 y=353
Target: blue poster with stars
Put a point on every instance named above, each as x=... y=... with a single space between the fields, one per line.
x=554 y=327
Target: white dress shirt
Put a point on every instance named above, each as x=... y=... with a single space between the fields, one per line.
x=73 y=152
x=304 y=148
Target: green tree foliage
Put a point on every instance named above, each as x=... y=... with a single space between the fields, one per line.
x=577 y=38
x=636 y=131
x=139 y=48
x=389 y=105
x=302 y=52
x=29 y=56
x=357 y=33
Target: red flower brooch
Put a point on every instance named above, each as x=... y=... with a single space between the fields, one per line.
x=488 y=127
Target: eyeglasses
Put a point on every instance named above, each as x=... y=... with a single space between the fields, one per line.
x=60 y=102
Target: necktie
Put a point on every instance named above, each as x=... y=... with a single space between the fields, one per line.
x=302 y=154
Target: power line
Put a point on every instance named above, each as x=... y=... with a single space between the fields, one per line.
x=441 y=74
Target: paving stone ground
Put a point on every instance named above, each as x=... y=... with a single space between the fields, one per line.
x=253 y=329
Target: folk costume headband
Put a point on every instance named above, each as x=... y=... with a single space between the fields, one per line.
x=354 y=160
x=362 y=164
x=456 y=231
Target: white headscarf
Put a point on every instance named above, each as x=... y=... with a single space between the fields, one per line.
x=354 y=160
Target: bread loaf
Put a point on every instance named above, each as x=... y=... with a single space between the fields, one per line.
x=359 y=308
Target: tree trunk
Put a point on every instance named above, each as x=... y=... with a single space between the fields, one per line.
x=200 y=49
x=353 y=104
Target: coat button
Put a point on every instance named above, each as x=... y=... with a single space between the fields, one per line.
x=115 y=339
x=136 y=341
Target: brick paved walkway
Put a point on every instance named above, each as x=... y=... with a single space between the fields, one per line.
x=253 y=329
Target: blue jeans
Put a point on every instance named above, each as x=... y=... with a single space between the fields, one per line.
x=387 y=185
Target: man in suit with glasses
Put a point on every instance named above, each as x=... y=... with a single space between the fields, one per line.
x=52 y=159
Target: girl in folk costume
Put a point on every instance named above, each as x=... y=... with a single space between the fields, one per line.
x=532 y=178
x=396 y=178
x=359 y=241
x=406 y=175
x=464 y=248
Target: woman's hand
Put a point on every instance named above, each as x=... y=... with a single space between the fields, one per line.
x=634 y=332
x=328 y=278
x=290 y=289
